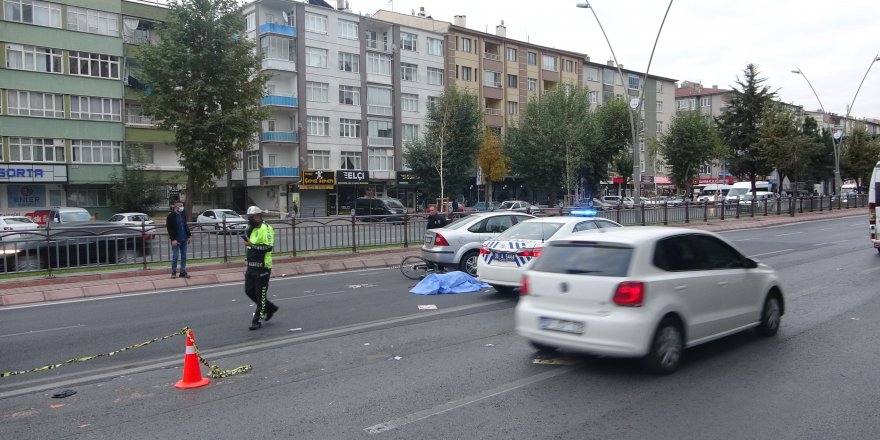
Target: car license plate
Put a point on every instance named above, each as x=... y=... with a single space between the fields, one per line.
x=503 y=256
x=560 y=325
x=429 y=241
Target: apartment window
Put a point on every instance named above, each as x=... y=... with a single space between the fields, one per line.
x=592 y=74
x=492 y=79
x=372 y=38
x=319 y=159
x=467 y=73
x=349 y=62
x=409 y=41
x=659 y=126
x=379 y=101
x=642 y=144
x=93 y=22
x=659 y=87
x=409 y=132
x=533 y=85
x=607 y=96
x=348 y=30
x=433 y=100
x=91 y=197
x=36 y=150
x=594 y=97
x=706 y=169
x=37 y=59
x=409 y=102
x=435 y=76
x=250 y=22
x=512 y=81
x=705 y=101
x=512 y=107
x=350 y=160
x=682 y=104
x=634 y=82
x=141 y=154
x=435 y=46
x=317 y=92
x=533 y=58
x=642 y=166
x=350 y=95
x=316 y=57
x=94 y=108
x=380 y=134
x=550 y=63
x=379 y=63
x=511 y=54
x=269 y=125
x=659 y=106
x=350 y=128
x=318 y=125
x=569 y=66
x=43 y=105
x=409 y=72
x=465 y=45
x=253 y=160
x=278 y=48
x=381 y=159
x=660 y=166
x=108 y=152
x=316 y=23
x=93 y=64
x=608 y=77
x=33 y=12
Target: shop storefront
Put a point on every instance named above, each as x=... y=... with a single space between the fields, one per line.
x=28 y=187
x=349 y=186
x=407 y=190
x=314 y=189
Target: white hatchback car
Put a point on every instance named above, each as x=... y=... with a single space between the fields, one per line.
x=647 y=292
x=505 y=258
x=10 y=224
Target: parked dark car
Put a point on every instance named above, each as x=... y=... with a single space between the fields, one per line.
x=385 y=209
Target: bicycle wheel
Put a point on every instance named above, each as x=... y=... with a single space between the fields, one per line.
x=414 y=267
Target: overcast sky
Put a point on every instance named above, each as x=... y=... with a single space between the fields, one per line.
x=709 y=41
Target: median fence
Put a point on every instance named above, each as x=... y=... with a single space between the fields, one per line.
x=50 y=250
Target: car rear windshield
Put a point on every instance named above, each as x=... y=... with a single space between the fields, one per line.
x=227 y=214
x=530 y=231
x=455 y=224
x=18 y=220
x=585 y=258
x=75 y=217
x=393 y=203
x=506 y=205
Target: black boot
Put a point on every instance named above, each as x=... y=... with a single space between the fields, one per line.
x=272 y=309
x=255 y=325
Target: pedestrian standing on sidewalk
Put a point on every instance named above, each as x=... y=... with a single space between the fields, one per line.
x=180 y=236
x=259 y=240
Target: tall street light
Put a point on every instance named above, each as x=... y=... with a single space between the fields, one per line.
x=835 y=141
x=635 y=104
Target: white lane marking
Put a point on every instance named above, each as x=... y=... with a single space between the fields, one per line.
x=867 y=271
x=307 y=296
x=771 y=253
x=42 y=331
x=746 y=239
x=831 y=242
x=455 y=404
x=790 y=233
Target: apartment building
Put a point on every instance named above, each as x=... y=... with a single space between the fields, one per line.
x=711 y=102
x=347 y=92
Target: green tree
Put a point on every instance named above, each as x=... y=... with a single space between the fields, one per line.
x=690 y=141
x=613 y=143
x=444 y=156
x=739 y=126
x=784 y=144
x=861 y=154
x=492 y=161
x=821 y=162
x=204 y=83
x=136 y=189
x=623 y=165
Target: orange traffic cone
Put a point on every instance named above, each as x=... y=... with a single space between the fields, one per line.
x=192 y=372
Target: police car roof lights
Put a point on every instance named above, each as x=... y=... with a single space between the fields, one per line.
x=589 y=212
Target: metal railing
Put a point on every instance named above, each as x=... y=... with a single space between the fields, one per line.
x=491 y=56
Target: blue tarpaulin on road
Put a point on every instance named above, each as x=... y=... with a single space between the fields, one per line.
x=452 y=282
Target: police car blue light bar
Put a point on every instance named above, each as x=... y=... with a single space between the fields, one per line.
x=583 y=212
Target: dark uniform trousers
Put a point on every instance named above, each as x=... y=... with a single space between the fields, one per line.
x=256 y=284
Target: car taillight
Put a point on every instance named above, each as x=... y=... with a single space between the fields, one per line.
x=484 y=251
x=529 y=252
x=439 y=240
x=630 y=294
x=524 y=286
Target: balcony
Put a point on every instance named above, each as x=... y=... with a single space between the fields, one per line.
x=286 y=172
x=279 y=64
x=139 y=121
x=491 y=56
x=280 y=136
x=380 y=110
x=278 y=29
x=380 y=141
x=279 y=101
x=377 y=45
x=493 y=111
x=492 y=83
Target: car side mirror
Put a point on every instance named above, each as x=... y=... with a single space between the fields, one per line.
x=749 y=263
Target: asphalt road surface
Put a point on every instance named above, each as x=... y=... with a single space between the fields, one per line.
x=367 y=363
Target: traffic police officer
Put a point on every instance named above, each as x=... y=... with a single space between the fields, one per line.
x=258 y=240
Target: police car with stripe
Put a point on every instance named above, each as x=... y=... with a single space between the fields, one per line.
x=504 y=259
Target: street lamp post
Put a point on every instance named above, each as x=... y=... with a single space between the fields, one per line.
x=636 y=104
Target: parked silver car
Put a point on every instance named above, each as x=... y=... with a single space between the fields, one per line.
x=457 y=245
x=518 y=206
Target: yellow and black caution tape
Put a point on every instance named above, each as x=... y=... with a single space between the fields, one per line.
x=215 y=371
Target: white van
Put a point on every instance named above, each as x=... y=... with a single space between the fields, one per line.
x=874 y=205
x=740 y=191
x=713 y=193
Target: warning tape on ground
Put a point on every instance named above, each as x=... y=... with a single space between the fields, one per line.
x=214 y=371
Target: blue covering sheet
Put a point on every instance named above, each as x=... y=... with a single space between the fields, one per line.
x=452 y=282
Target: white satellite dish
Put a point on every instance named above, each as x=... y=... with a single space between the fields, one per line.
x=634 y=103
x=284 y=14
x=838 y=134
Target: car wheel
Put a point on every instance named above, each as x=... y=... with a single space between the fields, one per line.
x=468 y=263
x=541 y=347
x=27 y=263
x=502 y=289
x=771 y=316
x=667 y=347
x=126 y=256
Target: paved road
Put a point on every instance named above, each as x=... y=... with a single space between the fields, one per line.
x=461 y=372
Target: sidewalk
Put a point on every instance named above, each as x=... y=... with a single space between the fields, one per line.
x=35 y=290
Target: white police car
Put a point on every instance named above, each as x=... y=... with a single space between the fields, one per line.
x=504 y=258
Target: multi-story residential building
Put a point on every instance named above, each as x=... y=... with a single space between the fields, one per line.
x=346 y=94
x=712 y=102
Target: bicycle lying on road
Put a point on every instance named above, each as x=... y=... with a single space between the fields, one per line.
x=415 y=267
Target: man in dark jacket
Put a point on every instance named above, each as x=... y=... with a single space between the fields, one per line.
x=180 y=236
x=436 y=220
